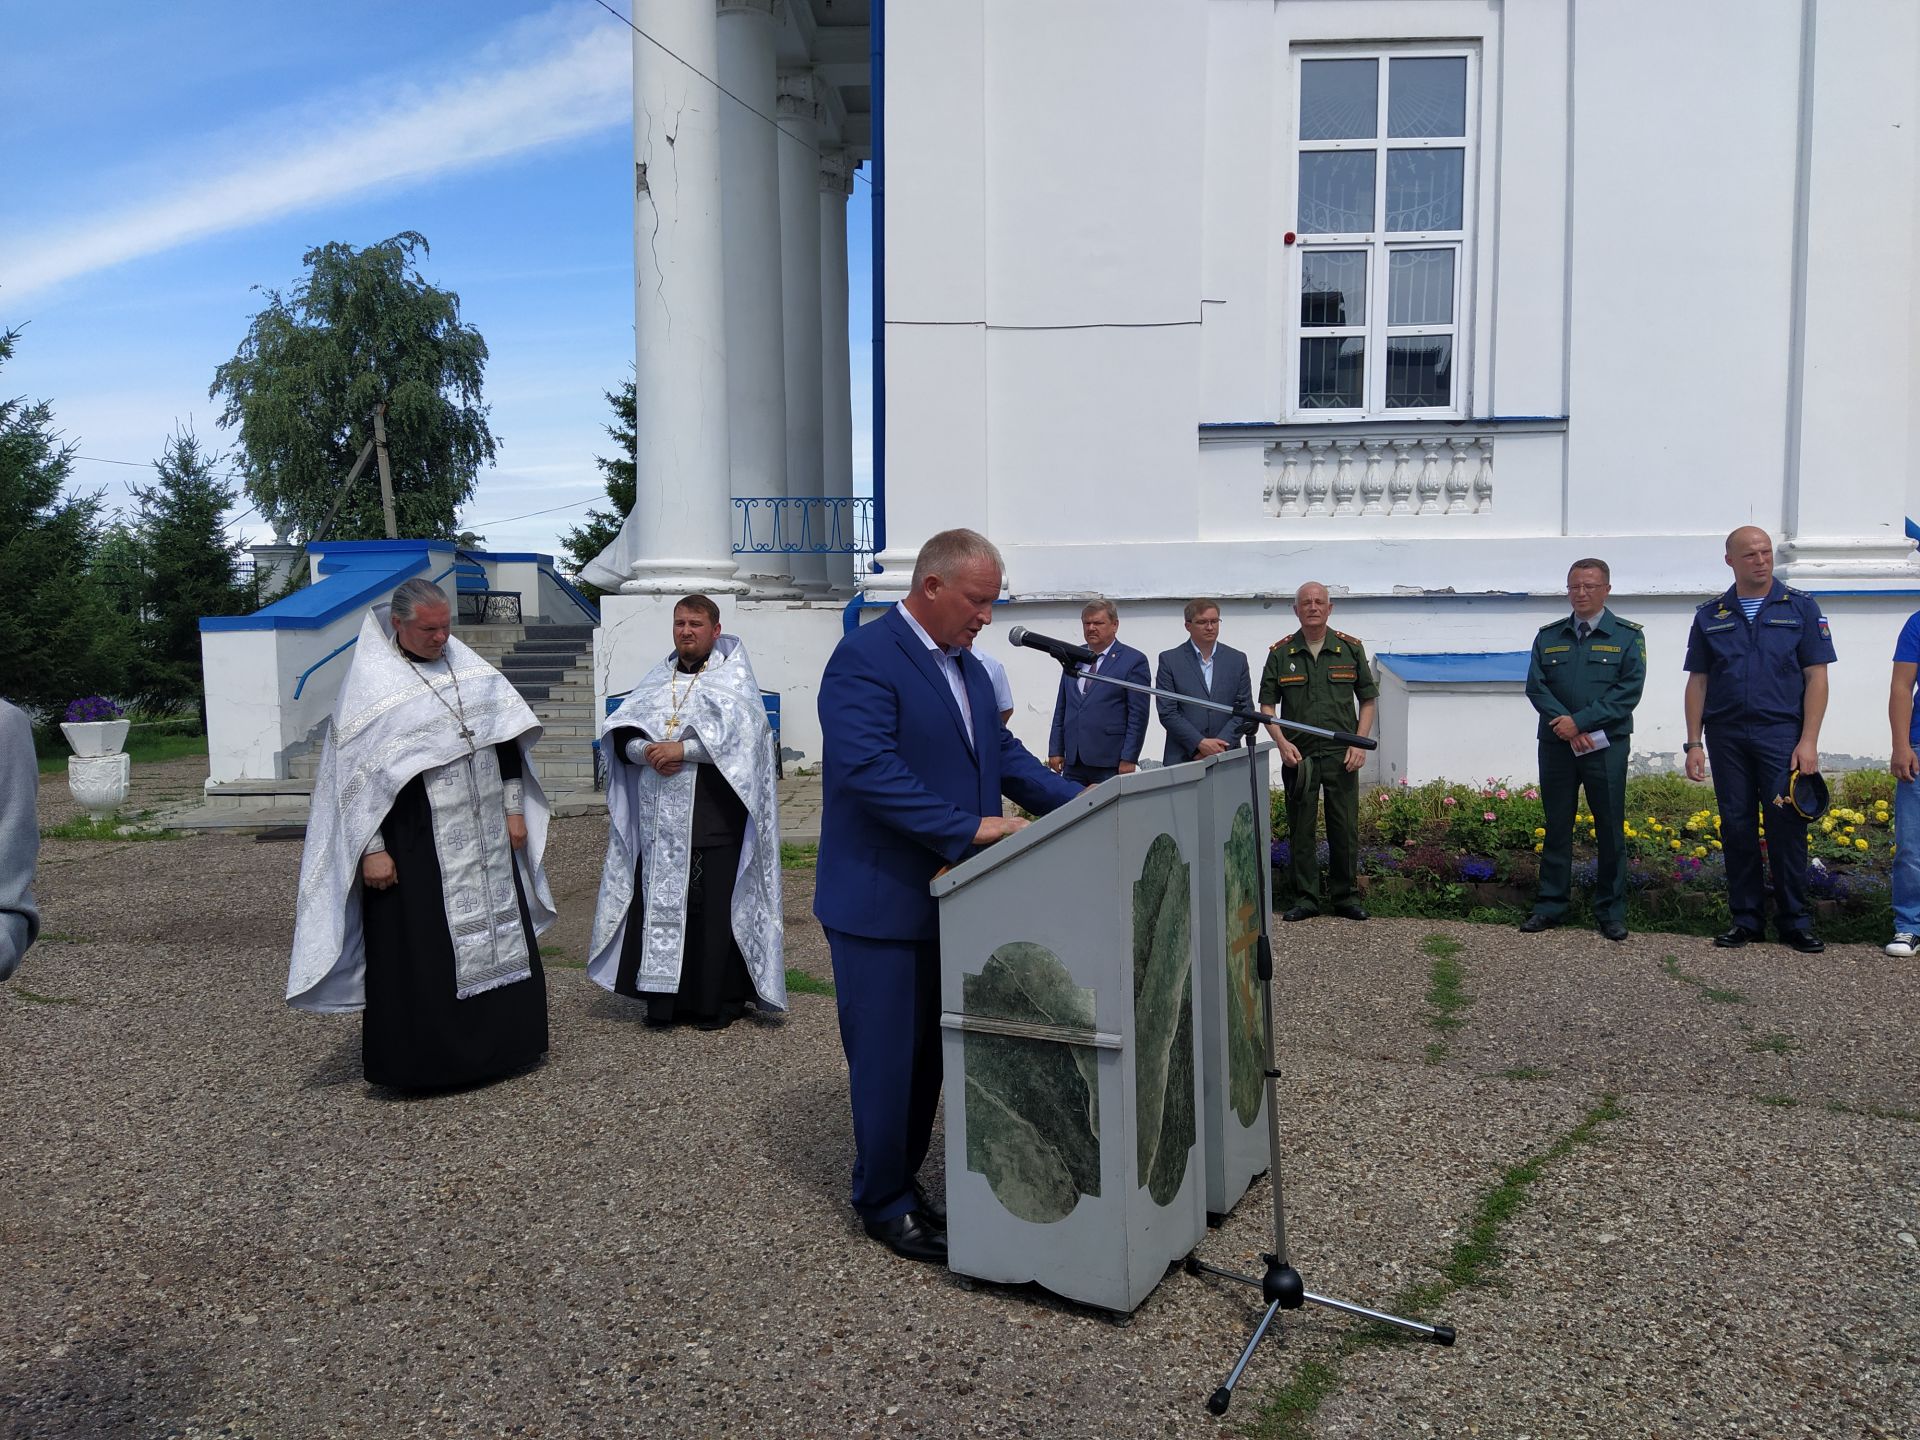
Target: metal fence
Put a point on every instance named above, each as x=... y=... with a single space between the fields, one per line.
x=796 y=525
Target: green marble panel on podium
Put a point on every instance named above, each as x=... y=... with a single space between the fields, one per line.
x=1070 y=1038
x=1233 y=1048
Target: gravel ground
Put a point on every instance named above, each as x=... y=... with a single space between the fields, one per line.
x=213 y=1227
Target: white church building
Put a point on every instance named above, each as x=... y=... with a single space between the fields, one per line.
x=1422 y=299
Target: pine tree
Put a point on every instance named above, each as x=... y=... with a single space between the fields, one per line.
x=189 y=568
x=586 y=541
x=62 y=638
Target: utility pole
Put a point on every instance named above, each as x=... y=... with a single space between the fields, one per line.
x=386 y=474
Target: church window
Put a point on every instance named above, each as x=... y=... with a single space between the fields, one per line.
x=1384 y=180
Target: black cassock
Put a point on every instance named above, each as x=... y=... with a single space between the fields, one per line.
x=715 y=987
x=417 y=1034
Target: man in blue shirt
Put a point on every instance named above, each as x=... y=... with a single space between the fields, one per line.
x=1757 y=662
x=1906 y=791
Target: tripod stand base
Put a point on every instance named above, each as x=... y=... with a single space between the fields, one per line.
x=1283 y=1289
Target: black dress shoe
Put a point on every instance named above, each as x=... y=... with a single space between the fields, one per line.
x=910 y=1237
x=1350 y=912
x=932 y=1209
x=1736 y=937
x=1299 y=912
x=1805 y=941
x=1613 y=930
x=1534 y=924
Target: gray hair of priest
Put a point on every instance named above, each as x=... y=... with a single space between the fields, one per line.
x=949 y=550
x=414 y=593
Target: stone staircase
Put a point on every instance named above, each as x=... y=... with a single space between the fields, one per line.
x=552 y=668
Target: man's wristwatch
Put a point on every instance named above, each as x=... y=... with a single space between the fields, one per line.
x=1693 y=745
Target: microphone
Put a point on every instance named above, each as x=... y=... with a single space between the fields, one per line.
x=1065 y=651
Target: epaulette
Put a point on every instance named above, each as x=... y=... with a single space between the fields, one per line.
x=1351 y=640
x=1791 y=591
x=1552 y=625
x=1630 y=624
x=1283 y=640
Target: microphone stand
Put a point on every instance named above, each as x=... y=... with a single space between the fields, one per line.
x=1279 y=1284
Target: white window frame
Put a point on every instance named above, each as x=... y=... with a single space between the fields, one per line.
x=1380 y=243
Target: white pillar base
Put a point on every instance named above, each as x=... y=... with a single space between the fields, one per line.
x=674 y=577
x=1817 y=562
x=896 y=577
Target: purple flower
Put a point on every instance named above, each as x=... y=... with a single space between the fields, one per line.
x=90 y=708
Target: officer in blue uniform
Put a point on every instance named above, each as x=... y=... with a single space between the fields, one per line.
x=1757 y=662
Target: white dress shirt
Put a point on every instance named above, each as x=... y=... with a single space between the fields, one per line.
x=948 y=659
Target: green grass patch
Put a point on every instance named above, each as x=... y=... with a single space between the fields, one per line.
x=1775 y=1044
x=1873 y=1112
x=60 y=937
x=34 y=997
x=795 y=856
x=1288 y=1412
x=554 y=957
x=1778 y=1101
x=1446 y=993
x=81 y=827
x=1708 y=992
x=799 y=982
x=146 y=747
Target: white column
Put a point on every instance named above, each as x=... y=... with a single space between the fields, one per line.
x=1852 y=440
x=799 y=145
x=750 y=203
x=678 y=537
x=836 y=369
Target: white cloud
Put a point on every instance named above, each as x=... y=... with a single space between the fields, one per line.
x=563 y=76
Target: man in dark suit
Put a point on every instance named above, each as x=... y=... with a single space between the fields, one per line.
x=1206 y=670
x=1098 y=729
x=915 y=761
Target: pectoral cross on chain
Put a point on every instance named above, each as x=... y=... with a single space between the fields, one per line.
x=673 y=724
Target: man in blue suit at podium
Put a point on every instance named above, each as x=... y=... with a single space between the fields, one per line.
x=1098 y=729
x=915 y=762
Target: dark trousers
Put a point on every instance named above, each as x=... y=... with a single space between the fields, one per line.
x=1088 y=774
x=1748 y=764
x=1319 y=778
x=1603 y=775
x=888 y=992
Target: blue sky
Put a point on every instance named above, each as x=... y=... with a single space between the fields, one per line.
x=162 y=160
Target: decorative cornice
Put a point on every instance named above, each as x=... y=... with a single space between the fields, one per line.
x=799 y=97
x=774 y=10
x=836 y=172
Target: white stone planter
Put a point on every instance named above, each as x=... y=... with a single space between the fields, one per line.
x=95 y=737
x=99 y=782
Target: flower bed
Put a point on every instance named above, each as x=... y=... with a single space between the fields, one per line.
x=1452 y=850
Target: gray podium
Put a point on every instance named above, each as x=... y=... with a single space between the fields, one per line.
x=1233 y=845
x=1075 y=1155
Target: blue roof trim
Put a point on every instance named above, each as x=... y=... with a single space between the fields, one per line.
x=355 y=574
x=1459 y=667
x=1913 y=530
x=527 y=558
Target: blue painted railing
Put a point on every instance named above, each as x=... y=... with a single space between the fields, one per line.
x=301 y=683
x=795 y=525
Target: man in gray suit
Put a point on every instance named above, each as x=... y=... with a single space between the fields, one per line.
x=1206 y=670
x=19 y=837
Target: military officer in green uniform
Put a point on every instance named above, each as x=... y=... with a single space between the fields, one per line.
x=1585 y=678
x=1320 y=676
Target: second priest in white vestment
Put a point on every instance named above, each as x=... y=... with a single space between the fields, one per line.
x=689 y=914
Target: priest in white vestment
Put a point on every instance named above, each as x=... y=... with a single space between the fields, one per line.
x=689 y=916
x=422 y=888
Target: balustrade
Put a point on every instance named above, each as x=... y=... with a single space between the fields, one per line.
x=1384 y=476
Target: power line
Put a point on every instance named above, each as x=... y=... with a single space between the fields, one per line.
x=151 y=465
x=508 y=519
x=744 y=105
